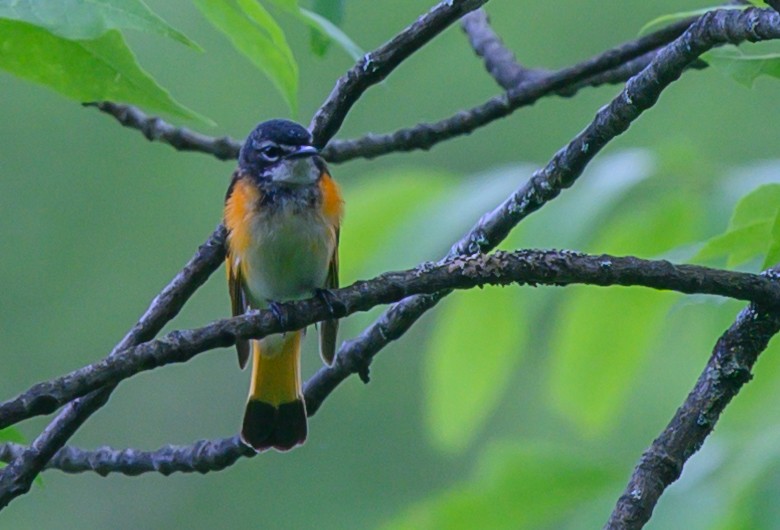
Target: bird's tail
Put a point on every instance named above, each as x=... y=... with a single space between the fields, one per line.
x=275 y=413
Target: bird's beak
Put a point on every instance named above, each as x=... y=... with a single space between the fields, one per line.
x=304 y=151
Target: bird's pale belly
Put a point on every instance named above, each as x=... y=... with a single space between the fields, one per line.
x=288 y=257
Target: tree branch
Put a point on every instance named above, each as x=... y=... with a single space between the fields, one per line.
x=17 y=478
x=371 y=69
x=375 y=66
x=525 y=267
x=201 y=457
x=499 y=60
x=614 y=65
x=502 y=66
x=531 y=267
x=640 y=93
x=157 y=130
x=727 y=370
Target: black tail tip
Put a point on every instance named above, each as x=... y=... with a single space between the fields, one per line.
x=266 y=426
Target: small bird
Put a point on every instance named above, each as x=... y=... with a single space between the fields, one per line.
x=283 y=213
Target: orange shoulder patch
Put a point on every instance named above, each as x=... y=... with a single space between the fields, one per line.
x=332 y=203
x=239 y=207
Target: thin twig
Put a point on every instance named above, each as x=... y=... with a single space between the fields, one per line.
x=375 y=66
x=201 y=457
x=502 y=66
x=727 y=370
x=371 y=69
x=613 y=66
x=532 y=267
x=499 y=60
x=625 y=60
x=156 y=129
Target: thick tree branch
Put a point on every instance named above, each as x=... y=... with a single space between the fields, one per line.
x=524 y=267
x=728 y=369
x=17 y=478
x=527 y=267
x=640 y=93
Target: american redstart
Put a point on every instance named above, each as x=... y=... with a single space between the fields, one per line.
x=282 y=211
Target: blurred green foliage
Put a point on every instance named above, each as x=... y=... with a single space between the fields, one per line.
x=503 y=408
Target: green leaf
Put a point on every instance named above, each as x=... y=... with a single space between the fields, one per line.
x=89 y=19
x=321 y=25
x=254 y=33
x=88 y=70
x=671 y=18
x=738 y=245
x=744 y=69
x=517 y=486
x=773 y=254
x=753 y=230
x=327 y=31
x=603 y=335
x=10 y=434
x=761 y=204
x=331 y=10
x=475 y=347
x=599 y=349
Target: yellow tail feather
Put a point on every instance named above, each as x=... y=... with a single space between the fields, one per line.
x=275 y=415
x=276 y=369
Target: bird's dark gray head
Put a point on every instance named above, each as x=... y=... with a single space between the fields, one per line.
x=273 y=143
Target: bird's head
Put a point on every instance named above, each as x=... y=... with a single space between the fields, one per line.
x=280 y=151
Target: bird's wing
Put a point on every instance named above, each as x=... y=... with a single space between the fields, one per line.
x=237 y=303
x=330 y=328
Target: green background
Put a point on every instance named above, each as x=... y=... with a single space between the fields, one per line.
x=94 y=221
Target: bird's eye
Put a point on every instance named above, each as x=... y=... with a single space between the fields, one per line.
x=271 y=153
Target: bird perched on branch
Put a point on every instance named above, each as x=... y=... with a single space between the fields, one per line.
x=282 y=211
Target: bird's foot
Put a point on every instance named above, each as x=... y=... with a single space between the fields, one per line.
x=279 y=312
x=334 y=304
